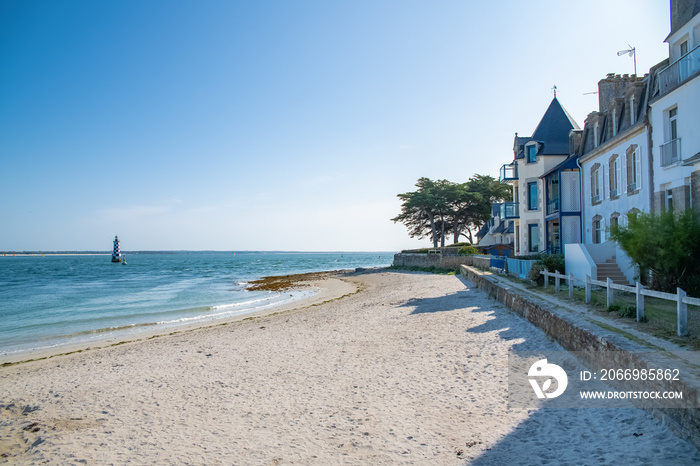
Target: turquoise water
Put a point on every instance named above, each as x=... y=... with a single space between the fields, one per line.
x=51 y=301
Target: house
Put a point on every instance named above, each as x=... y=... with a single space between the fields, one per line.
x=675 y=114
x=613 y=153
x=562 y=192
x=533 y=157
x=614 y=156
x=496 y=236
x=639 y=152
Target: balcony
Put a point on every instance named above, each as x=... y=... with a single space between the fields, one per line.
x=510 y=210
x=553 y=206
x=670 y=152
x=679 y=71
x=509 y=172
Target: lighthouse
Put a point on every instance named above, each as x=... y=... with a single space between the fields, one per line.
x=116 y=254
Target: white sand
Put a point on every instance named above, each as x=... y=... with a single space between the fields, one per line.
x=412 y=369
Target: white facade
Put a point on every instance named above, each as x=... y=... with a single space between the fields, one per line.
x=675 y=119
x=615 y=183
x=532 y=211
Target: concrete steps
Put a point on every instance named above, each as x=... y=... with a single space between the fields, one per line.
x=609 y=269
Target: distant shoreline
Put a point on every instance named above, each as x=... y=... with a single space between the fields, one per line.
x=178 y=251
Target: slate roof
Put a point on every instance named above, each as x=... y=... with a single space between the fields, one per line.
x=692 y=160
x=682 y=11
x=510 y=229
x=553 y=130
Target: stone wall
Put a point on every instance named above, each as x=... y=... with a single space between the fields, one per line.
x=431 y=260
x=684 y=422
x=695 y=189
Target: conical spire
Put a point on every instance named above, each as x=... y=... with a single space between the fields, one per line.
x=553 y=130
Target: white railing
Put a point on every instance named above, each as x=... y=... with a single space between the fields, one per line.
x=670 y=152
x=679 y=71
x=681 y=297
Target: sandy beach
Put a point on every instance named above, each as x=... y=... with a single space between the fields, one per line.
x=379 y=368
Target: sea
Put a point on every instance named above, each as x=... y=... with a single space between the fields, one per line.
x=52 y=300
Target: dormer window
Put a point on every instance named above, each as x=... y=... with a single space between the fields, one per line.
x=614 y=121
x=595 y=135
x=532 y=154
x=632 y=110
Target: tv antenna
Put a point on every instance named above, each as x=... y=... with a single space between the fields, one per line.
x=632 y=52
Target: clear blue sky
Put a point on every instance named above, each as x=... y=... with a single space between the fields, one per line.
x=278 y=125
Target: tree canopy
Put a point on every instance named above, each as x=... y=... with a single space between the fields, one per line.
x=674 y=237
x=439 y=208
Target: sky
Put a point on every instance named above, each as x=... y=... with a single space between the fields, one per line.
x=279 y=124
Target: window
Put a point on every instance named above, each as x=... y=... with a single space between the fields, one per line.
x=631 y=110
x=532 y=196
x=597 y=230
x=615 y=219
x=634 y=169
x=684 y=48
x=532 y=154
x=672 y=123
x=669 y=200
x=595 y=135
x=533 y=233
x=595 y=184
x=614 y=176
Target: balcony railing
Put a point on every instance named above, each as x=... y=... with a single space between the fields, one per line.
x=509 y=172
x=680 y=70
x=510 y=210
x=670 y=152
x=553 y=206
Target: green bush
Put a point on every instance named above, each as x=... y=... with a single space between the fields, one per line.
x=553 y=262
x=535 y=274
x=467 y=251
x=615 y=308
x=628 y=311
x=667 y=244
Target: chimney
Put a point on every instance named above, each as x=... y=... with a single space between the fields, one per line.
x=611 y=88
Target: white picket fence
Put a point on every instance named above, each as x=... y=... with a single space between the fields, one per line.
x=681 y=297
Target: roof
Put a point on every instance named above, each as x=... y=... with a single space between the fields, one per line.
x=483 y=231
x=569 y=162
x=519 y=143
x=692 y=160
x=553 y=130
x=682 y=11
